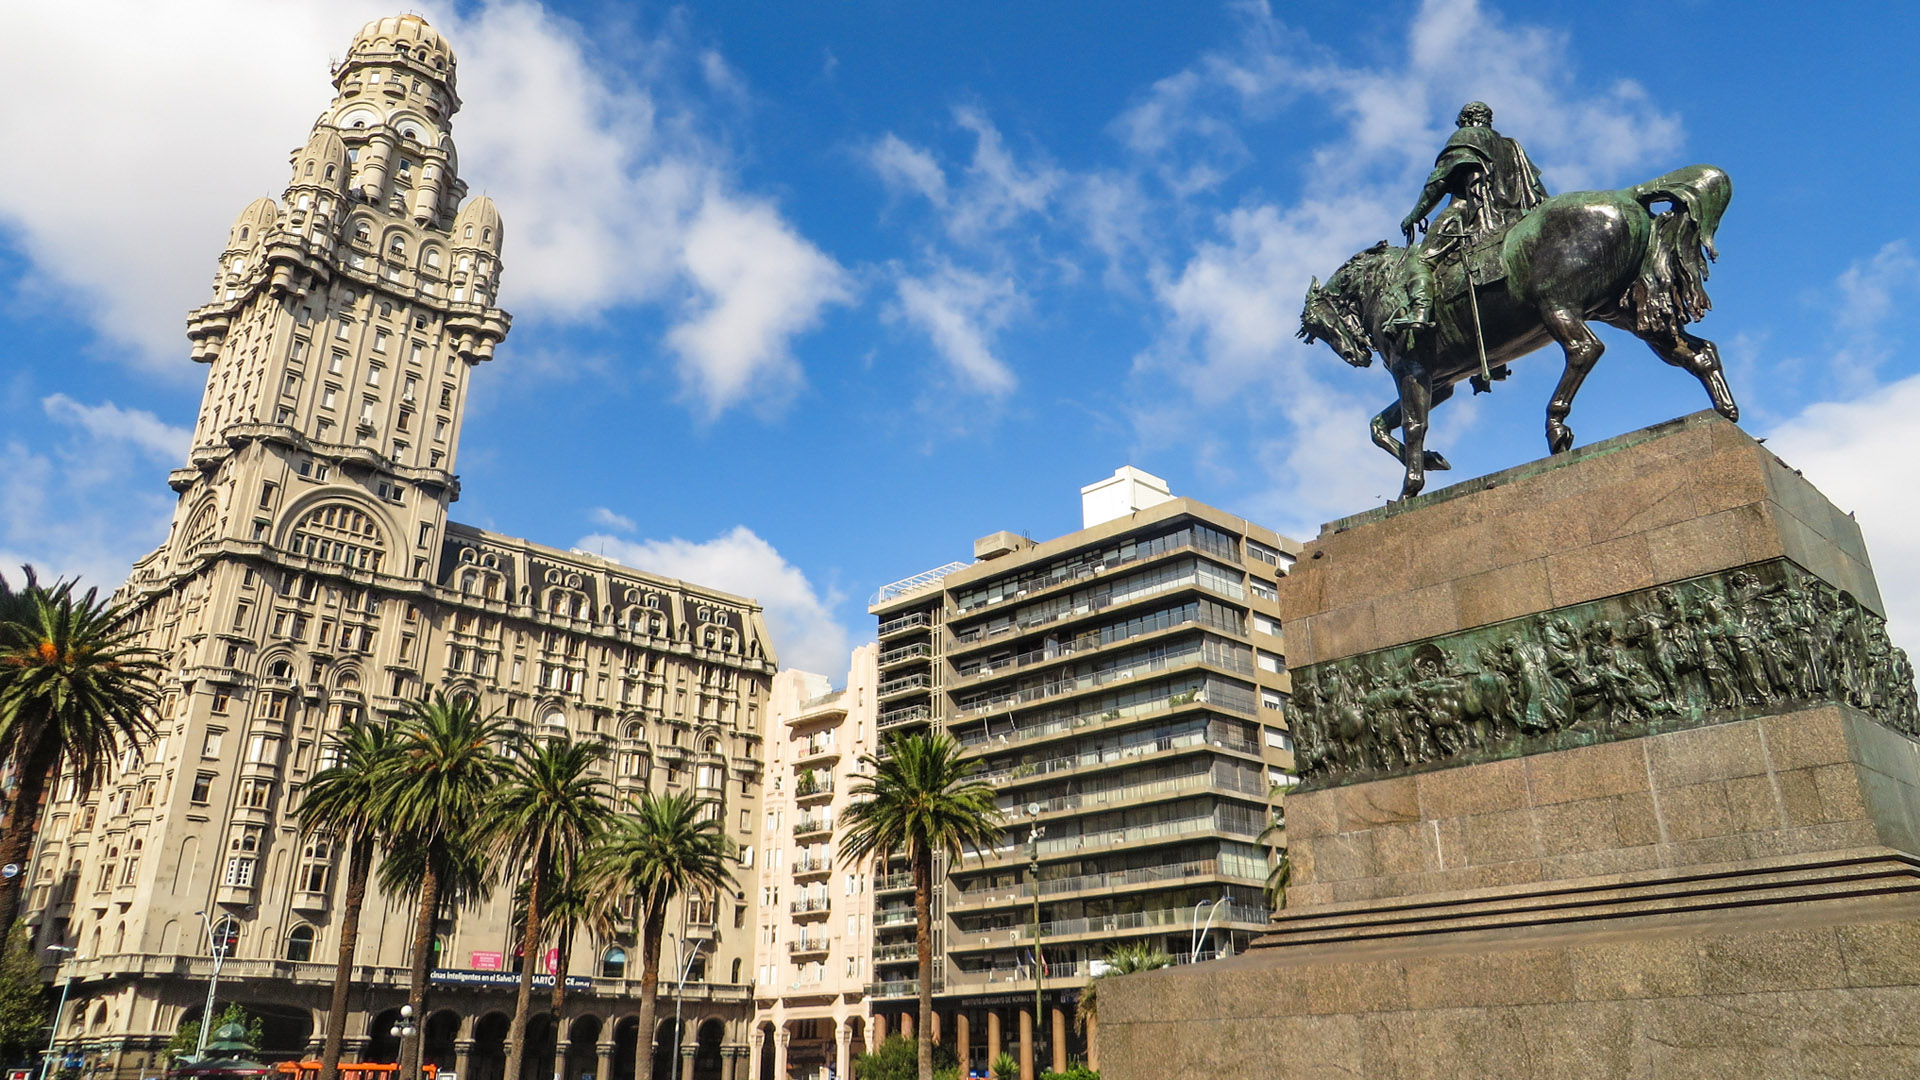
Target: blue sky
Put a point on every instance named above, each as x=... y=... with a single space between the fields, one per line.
x=808 y=296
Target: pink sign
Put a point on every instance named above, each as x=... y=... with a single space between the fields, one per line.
x=553 y=961
x=488 y=961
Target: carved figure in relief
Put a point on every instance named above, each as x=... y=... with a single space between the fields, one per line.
x=1752 y=639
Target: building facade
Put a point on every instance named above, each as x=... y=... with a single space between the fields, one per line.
x=815 y=927
x=312 y=575
x=1124 y=688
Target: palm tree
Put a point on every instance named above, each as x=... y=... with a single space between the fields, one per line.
x=342 y=800
x=74 y=684
x=921 y=798
x=1280 y=874
x=666 y=845
x=574 y=901
x=549 y=813
x=444 y=770
x=1121 y=960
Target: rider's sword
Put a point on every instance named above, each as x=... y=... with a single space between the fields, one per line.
x=1473 y=301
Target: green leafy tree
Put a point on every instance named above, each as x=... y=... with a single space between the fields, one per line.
x=74 y=685
x=445 y=768
x=1121 y=960
x=897 y=1058
x=547 y=815
x=343 y=801
x=665 y=846
x=23 y=999
x=920 y=798
x=186 y=1038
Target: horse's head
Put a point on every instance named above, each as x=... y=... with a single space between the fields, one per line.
x=1332 y=313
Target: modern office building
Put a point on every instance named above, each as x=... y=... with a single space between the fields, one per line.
x=1124 y=688
x=312 y=575
x=814 y=940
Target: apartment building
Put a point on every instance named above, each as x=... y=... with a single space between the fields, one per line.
x=814 y=932
x=1124 y=687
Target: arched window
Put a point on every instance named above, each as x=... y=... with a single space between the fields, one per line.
x=613 y=963
x=398 y=246
x=330 y=171
x=341 y=534
x=309 y=169
x=243 y=232
x=226 y=936
x=362 y=231
x=280 y=669
x=433 y=258
x=300 y=944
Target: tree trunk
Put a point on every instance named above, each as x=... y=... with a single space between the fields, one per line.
x=417 y=975
x=529 y=957
x=16 y=848
x=565 y=945
x=923 y=944
x=359 y=867
x=653 y=929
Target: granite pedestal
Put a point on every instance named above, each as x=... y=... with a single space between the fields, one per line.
x=1610 y=772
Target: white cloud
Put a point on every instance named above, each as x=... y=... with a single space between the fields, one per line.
x=901 y=164
x=161 y=441
x=600 y=515
x=605 y=183
x=1857 y=453
x=760 y=284
x=960 y=311
x=799 y=618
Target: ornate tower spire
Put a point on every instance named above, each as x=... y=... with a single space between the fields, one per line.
x=346 y=319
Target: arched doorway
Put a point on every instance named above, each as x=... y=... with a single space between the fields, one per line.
x=769 y=1049
x=284 y=1032
x=666 y=1051
x=488 y=1060
x=537 y=1062
x=706 y=1058
x=436 y=1048
x=626 y=1048
x=382 y=1044
x=583 y=1060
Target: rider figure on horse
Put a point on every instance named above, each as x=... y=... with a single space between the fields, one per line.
x=1493 y=184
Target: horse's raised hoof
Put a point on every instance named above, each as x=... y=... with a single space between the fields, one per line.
x=1435 y=463
x=1559 y=437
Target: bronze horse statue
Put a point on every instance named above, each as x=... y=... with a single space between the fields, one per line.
x=1577 y=257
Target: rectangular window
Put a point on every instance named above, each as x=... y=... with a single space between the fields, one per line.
x=266 y=494
x=202 y=789
x=405 y=421
x=342 y=329
x=1272 y=699
x=329 y=396
x=239 y=872
x=415 y=353
x=337 y=362
x=299 y=348
x=292 y=386
x=263 y=749
x=1278 y=738
x=1266 y=624
x=256 y=795
x=1262 y=589
x=380 y=341
x=313 y=877
x=1270 y=662
x=220 y=699
x=373 y=374
x=241 y=613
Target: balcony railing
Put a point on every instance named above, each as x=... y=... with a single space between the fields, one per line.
x=894 y=917
x=807 y=945
x=1103 y=677
x=806 y=867
x=911 y=621
x=1125 y=713
x=893 y=954
x=1132 y=834
x=891 y=882
x=908 y=715
x=906 y=652
x=1118 y=879
x=915 y=681
x=1204 y=780
x=1164 y=620
x=894 y=988
x=810 y=904
x=1215 y=735
x=811 y=825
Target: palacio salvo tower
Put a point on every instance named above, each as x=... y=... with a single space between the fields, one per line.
x=311 y=575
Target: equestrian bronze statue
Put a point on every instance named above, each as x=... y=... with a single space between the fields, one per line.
x=1505 y=269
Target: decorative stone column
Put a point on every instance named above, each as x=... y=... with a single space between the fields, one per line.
x=993 y=1042
x=962 y=1041
x=879 y=1029
x=687 y=1052
x=756 y=1047
x=1026 y=1045
x=562 y=1050
x=780 y=1054
x=1059 y=1038
x=907 y=1020
x=603 y=1053
x=939 y=1026
x=842 y=1044
x=463 y=1057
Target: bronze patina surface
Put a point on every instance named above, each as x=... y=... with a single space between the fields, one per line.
x=1719 y=647
x=1507 y=269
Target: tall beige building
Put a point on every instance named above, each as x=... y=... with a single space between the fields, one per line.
x=815 y=923
x=1124 y=689
x=312 y=575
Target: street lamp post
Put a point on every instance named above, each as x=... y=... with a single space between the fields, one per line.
x=1199 y=933
x=684 y=959
x=59 y=1011
x=219 y=950
x=1034 y=831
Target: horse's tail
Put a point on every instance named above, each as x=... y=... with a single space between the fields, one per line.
x=1672 y=288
